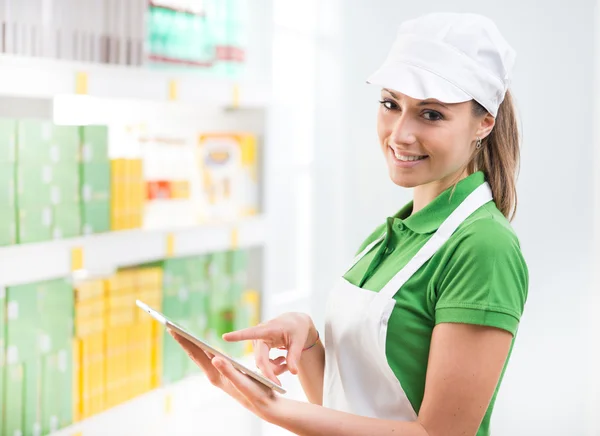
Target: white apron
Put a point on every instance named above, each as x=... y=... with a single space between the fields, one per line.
x=358 y=378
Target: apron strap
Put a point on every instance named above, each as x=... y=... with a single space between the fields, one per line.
x=365 y=251
x=479 y=197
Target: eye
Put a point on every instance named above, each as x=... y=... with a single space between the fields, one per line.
x=388 y=104
x=433 y=116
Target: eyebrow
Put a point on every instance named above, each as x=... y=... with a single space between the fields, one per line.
x=421 y=103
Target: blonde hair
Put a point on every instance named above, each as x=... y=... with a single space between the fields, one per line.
x=498 y=156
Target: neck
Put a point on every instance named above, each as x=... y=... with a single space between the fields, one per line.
x=425 y=194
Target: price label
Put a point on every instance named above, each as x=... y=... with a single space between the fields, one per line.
x=168 y=403
x=76 y=258
x=81 y=83
x=236 y=96
x=234 y=238
x=170 y=245
x=173 y=90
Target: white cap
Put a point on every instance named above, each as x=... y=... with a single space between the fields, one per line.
x=449 y=57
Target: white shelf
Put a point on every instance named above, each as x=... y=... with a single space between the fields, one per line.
x=182 y=408
x=104 y=253
x=41 y=78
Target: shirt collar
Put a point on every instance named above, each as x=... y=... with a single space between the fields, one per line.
x=429 y=219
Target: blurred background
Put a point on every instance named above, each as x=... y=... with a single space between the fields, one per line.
x=218 y=160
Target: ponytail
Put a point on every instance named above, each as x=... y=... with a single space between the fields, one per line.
x=498 y=157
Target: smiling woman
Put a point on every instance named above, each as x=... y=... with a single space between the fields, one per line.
x=420 y=327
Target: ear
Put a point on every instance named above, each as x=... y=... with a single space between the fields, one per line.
x=486 y=125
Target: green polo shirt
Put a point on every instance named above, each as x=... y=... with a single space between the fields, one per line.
x=478 y=277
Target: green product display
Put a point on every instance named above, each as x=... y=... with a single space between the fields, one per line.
x=34 y=141
x=64 y=148
x=95 y=181
x=21 y=329
x=66 y=221
x=50 y=388
x=8 y=140
x=95 y=217
x=94 y=143
x=3 y=322
x=34 y=224
x=34 y=184
x=65 y=186
x=32 y=401
x=65 y=381
x=174 y=361
x=8 y=225
x=14 y=389
x=55 y=300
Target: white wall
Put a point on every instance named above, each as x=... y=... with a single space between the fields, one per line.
x=548 y=387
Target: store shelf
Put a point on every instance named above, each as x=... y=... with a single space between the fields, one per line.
x=41 y=78
x=161 y=411
x=104 y=253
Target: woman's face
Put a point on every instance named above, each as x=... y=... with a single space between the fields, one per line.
x=426 y=141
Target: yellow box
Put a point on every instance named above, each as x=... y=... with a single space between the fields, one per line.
x=77 y=385
x=89 y=326
x=89 y=290
x=90 y=308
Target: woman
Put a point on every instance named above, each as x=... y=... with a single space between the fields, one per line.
x=420 y=328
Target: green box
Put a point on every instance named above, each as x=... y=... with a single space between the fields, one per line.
x=56 y=314
x=65 y=144
x=34 y=141
x=22 y=327
x=174 y=361
x=14 y=389
x=95 y=217
x=66 y=221
x=65 y=183
x=32 y=400
x=94 y=143
x=40 y=141
x=7 y=184
x=65 y=379
x=51 y=388
x=3 y=322
x=95 y=181
x=34 y=184
x=2 y=397
x=34 y=224
x=8 y=140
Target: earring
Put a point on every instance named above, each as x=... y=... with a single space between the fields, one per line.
x=478 y=143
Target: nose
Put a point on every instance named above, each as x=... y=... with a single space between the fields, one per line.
x=403 y=131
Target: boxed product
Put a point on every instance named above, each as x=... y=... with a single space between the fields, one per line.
x=34 y=224
x=221 y=305
x=14 y=388
x=65 y=185
x=8 y=140
x=22 y=323
x=229 y=167
x=66 y=221
x=32 y=398
x=41 y=141
x=50 y=390
x=65 y=381
x=34 y=139
x=34 y=184
x=95 y=217
x=8 y=207
x=95 y=181
x=94 y=143
x=56 y=319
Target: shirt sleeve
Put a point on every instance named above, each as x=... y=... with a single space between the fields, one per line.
x=485 y=279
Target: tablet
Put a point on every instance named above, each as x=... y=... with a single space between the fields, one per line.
x=212 y=350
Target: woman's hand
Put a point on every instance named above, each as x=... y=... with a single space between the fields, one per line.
x=291 y=331
x=251 y=394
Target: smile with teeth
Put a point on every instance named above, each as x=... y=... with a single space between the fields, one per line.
x=406 y=158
